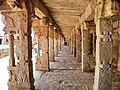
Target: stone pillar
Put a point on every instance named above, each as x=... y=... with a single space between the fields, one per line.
x=118 y=66
x=60 y=42
x=44 y=27
x=20 y=75
x=78 y=46
x=25 y=79
x=55 y=43
x=51 y=44
x=38 y=57
x=11 y=50
x=94 y=44
x=85 y=48
x=103 y=71
x=74 y=43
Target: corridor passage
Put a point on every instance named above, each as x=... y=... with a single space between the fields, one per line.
x=65 y=74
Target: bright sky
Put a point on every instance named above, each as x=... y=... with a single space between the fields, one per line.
x=1 y=26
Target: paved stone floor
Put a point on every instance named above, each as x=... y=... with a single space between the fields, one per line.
x=65 y=74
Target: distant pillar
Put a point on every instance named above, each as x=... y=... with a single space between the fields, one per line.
x=55 y=42
x=51 y=44
x=38 y=57
x=45 y=44
x=85 y=48
x=78 y=46
x=74 y=43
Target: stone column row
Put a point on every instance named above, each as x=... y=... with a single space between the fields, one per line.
x=49 y=42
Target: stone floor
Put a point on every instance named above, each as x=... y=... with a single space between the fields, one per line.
x=65 y=74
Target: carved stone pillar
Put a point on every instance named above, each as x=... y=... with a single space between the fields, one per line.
x=10 y=30
x=38 y=34
x=78 y=46
x=85 y=48
x=103 y=71
x=45 y=44
x=51 y=44
x=25 y=79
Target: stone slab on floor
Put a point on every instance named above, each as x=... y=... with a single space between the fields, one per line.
x=65 y=74
x=65 y=80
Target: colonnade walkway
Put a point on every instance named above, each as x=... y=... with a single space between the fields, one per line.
x=65 y=74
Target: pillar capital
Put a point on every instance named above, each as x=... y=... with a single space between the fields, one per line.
x=106 y=9
x=9 y=19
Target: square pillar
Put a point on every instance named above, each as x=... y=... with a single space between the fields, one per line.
x=51 y=44
x=20 y=74
x=38 y=57
x=74 y=42
x=103 y=71
x=78 y=46
x=55 y=42
x=85 y=48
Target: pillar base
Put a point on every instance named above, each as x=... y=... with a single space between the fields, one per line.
x=20 y=86
x=13 y=83
x=39 y=66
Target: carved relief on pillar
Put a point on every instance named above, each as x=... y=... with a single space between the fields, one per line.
x=10 y=21
x=103 y=69
x=43 y=30
x=23 y=51
x=23 y=76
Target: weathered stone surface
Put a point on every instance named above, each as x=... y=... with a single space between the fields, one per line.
x=66 y=13
x=65 y=74
x=103 y=71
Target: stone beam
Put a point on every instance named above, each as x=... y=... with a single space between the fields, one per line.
x=44 y=10
x=108 y=8
x=88 y=14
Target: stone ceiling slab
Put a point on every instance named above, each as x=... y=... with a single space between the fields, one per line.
x=66 y=12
